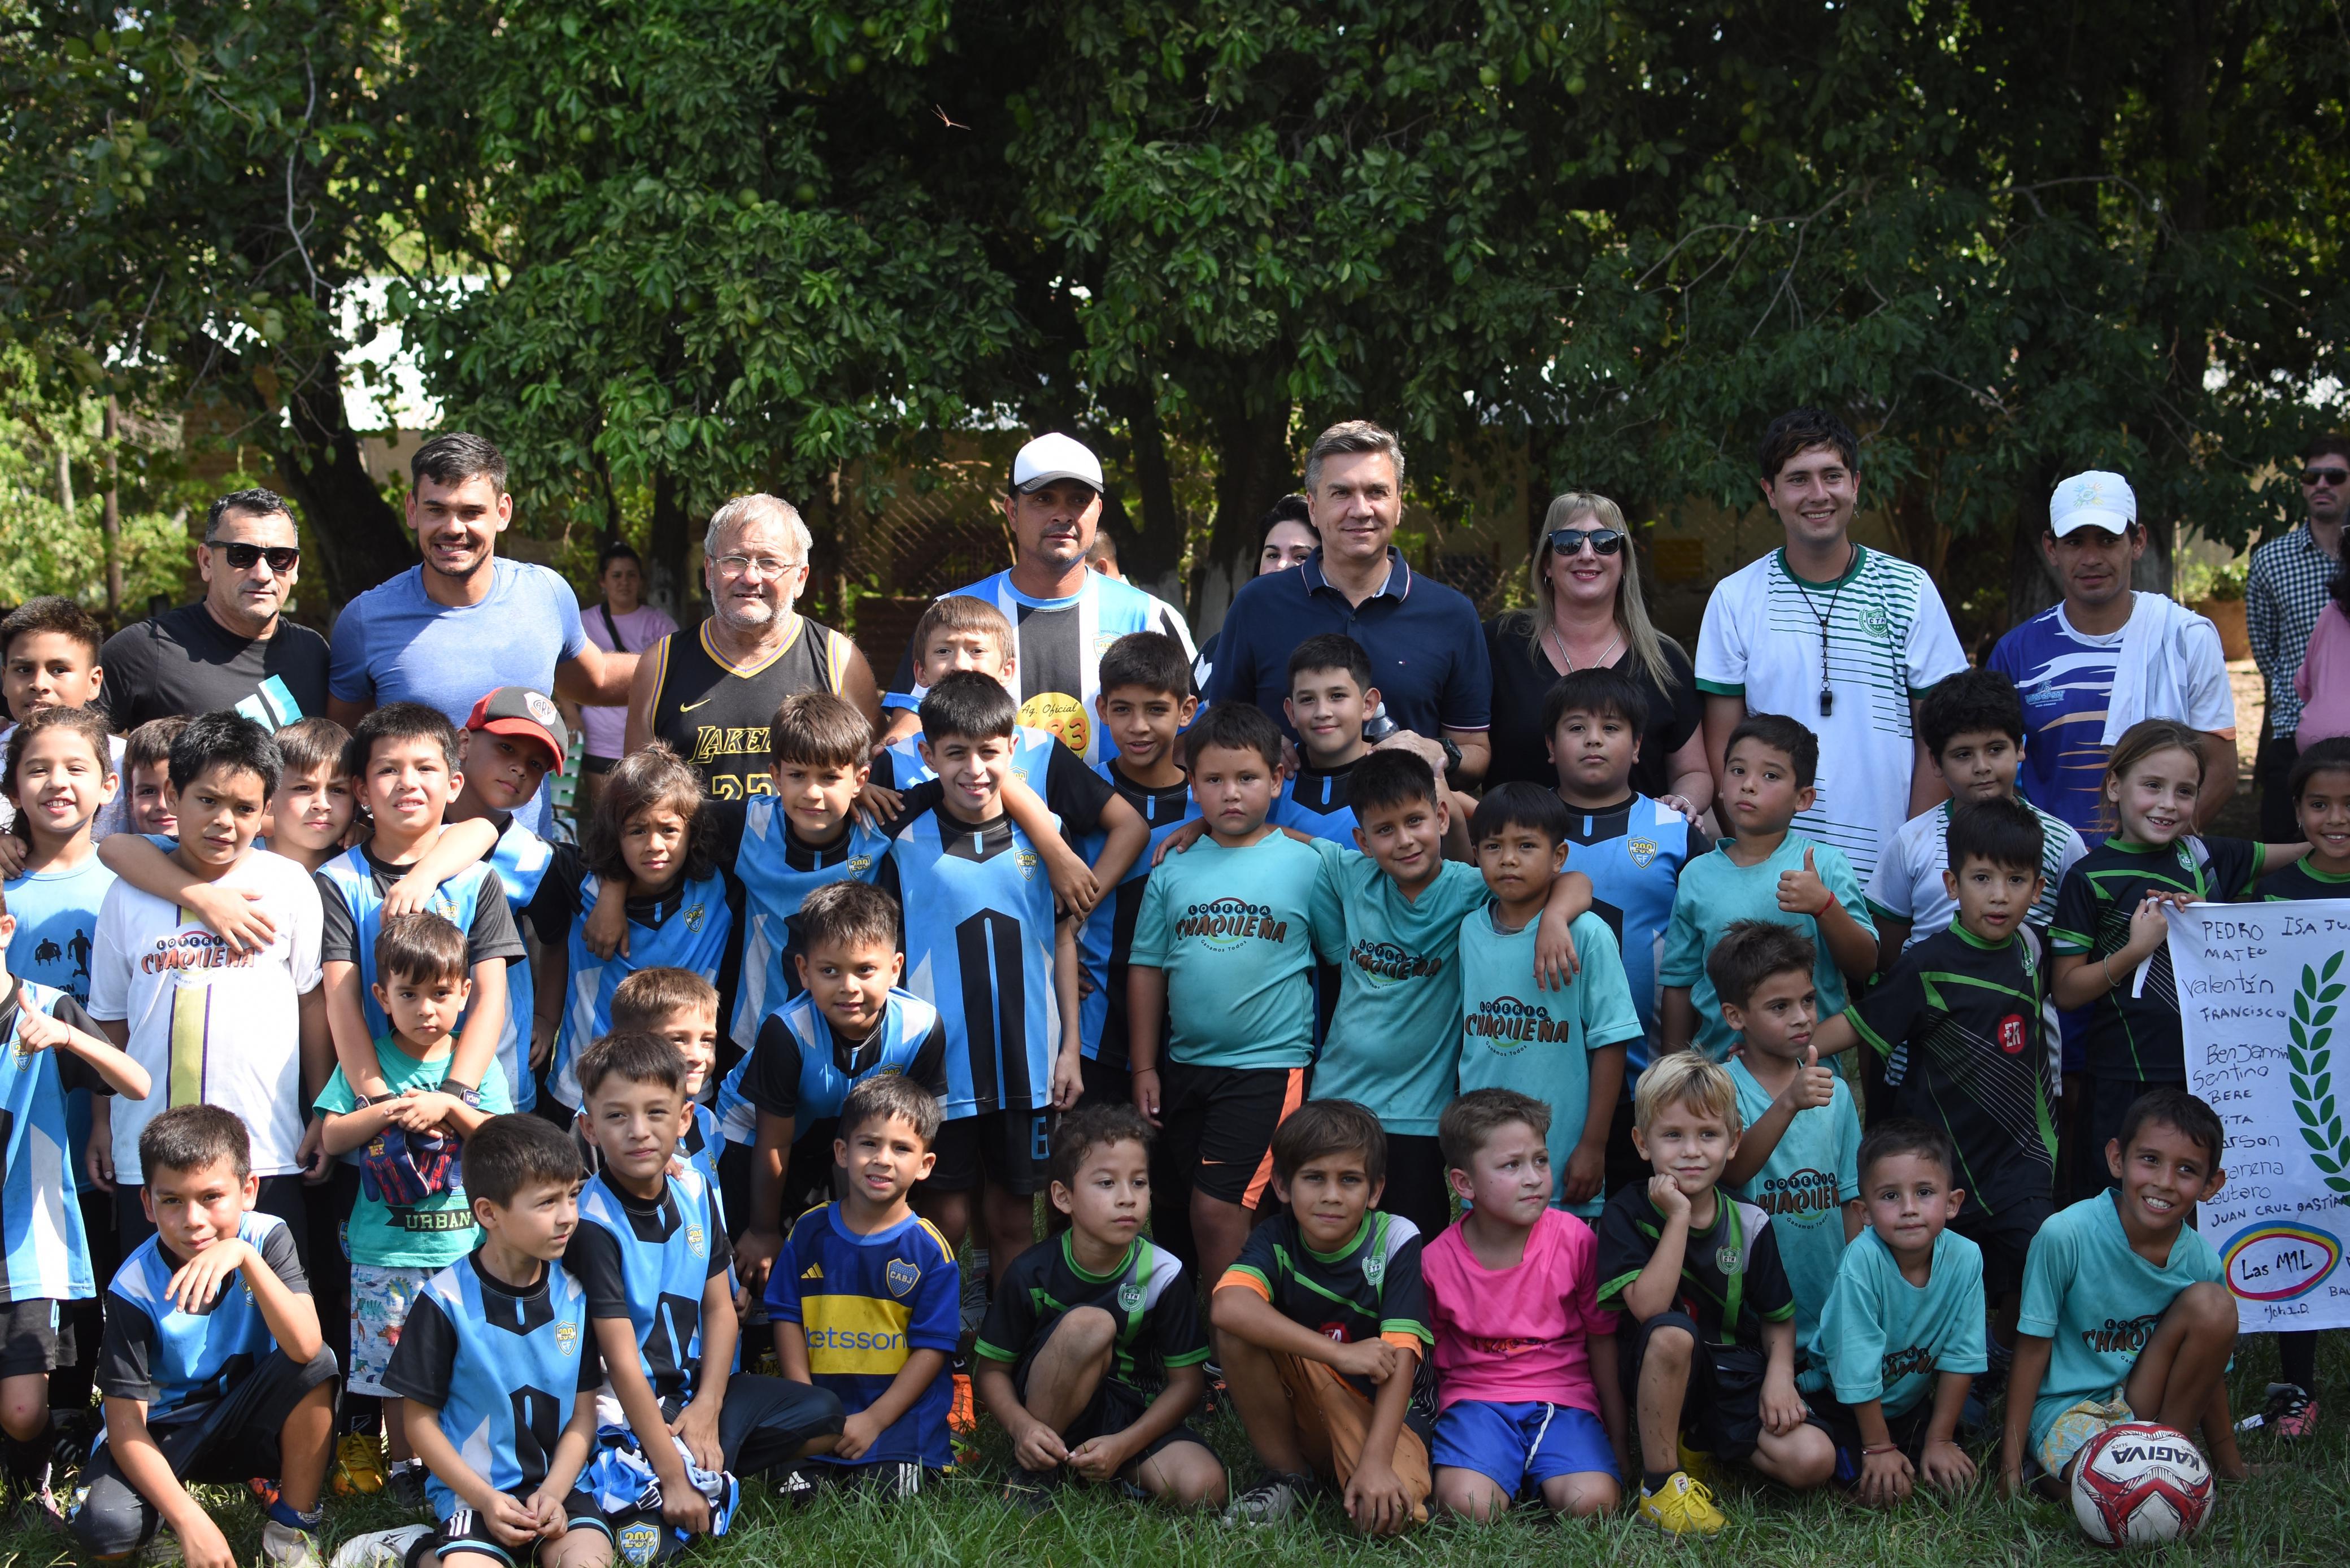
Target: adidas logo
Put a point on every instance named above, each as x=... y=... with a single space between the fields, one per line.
x=812 y=1271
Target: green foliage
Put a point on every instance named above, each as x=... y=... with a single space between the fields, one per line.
x=2310 y=1063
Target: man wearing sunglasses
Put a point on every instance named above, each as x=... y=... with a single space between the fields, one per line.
x=2282 y=599
x=234 y=648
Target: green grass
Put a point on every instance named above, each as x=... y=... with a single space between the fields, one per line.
x=2296 y=1511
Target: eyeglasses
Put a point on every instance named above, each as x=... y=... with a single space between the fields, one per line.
x=282 y=558
x=766 y=566
x=1570 y=541
x=2334 y=476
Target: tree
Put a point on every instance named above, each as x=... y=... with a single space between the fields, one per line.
x=190 y=193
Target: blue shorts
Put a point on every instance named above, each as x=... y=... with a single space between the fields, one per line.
x=1516 y=1446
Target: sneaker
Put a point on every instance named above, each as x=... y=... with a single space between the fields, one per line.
x=1683 y=1506
x=1279 y=1498
x=794 y=1487
x=1031 y=1492
x=1696 y=1463
x=407 y=1486
x=2290 y=1412
x=282 y=1546
x=381 y=1548
x=359 y=1465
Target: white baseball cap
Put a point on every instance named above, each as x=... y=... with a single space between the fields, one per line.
x=2092 y=500
x=1052 y=457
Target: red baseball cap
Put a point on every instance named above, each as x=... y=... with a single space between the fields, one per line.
x=521 y=712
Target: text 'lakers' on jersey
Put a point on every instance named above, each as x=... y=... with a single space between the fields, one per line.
x=503 y=1364
x=716 y=714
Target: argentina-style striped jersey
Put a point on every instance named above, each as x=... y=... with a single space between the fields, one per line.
x=801 y=1069
x=177 y=1362
x=687 y=928
x=778 y=869
x=650 y=1262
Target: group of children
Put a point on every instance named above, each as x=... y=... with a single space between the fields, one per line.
x=513 y=1141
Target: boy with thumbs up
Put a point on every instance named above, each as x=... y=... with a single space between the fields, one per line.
x=1765 y=872
x=1799 y=1158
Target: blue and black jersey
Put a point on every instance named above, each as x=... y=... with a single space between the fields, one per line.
x=778 y=869
x=801 y=1069
x=650 y=1262
x=687 y=928
x=177 y=1362
x=40 y=1206
x=1108 y=934
x=979 y=948
x=1314 y=802
x=866 y=1303
x=523 y=863
x=503 y=1364
x=1634 y=852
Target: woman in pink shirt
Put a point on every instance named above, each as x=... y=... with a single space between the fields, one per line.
x=1527 y=1389
x=2323 y=679
x=622 y=623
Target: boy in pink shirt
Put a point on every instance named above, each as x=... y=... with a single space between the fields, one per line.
x=1525 y=1361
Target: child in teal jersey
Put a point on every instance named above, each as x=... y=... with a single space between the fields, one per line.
x=1223 y=946
x=1765 y=871
x=1394 y=1042
x=1566 y=1048
x=1901 y=1339
x=1796 y=1160
x=2126 y=1316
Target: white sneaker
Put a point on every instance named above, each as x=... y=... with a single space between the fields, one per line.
x=1279 y=1498
x=282 y=1546
x=381 y=1548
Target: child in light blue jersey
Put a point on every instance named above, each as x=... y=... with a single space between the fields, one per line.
x=1765 y=871
x=1330 y=699
x=497 y=1371
x=1395 y=1038
x=984 y=947
x=1632 y=848
x=681 y=1007
x=48 y=1048
x=1144 y=706
x=2127 y=1315
x=850 y=1023
x=647 y=844
x=219 y=1286
x=412 y=1219
x=1899 y=1344
x=1566 y=1048
x=652 y=1255
x=1797 y=1159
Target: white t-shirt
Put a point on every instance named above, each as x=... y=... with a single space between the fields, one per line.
x=1889 y=639
x=1908 y=881
x=211 y=1026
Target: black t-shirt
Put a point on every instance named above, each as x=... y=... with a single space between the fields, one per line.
x=2300 y=880
x=1148 y=1296
x=1520 y=684
x=1980 y=1067
x=1732 y=1281
x=184 y=661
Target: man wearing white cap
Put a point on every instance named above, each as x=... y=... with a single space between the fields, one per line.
x=1066 y=614
x=2107 y=657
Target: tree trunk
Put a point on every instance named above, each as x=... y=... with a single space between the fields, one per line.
x=1254 y=468
x=65 y=481
x=1152 y=552
x=2031 y=586
x=361 y=538
x=109 y=521
x=668 y=547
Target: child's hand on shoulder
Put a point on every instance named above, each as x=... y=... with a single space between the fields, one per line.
x=1182 y=839
x=875 y=805
x=1802 y=892
x=1666 y=1195
x=1812 y=1085
x=412 y=895
x=232 y=914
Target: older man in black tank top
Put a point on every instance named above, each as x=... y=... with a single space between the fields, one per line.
x=712 y=691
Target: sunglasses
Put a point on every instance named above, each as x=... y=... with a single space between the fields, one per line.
x=2334 y=476
x=1570 y=541
x=282 y=558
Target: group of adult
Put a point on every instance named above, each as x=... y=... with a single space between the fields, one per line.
x=1841 y=636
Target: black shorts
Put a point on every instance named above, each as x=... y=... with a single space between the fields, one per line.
x=2005 y=1239
x=1009 y=1149
x=595 y=764
x=1219 y=1123
x=1416 y=1187
x=465 y=1532
x=227 y=1442
x=1113 y=1408
x=36 y=1335
x=1105 y=1083
x=1721 y=1408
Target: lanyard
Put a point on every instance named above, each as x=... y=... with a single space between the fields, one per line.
x=1828 y=693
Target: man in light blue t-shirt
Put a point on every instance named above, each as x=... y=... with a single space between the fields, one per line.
x=462 y=622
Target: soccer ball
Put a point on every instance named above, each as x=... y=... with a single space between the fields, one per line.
x=2138 y=1483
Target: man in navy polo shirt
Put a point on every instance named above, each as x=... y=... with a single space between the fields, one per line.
x=1426 y=651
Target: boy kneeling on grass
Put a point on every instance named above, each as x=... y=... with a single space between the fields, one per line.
x=1091 y=1353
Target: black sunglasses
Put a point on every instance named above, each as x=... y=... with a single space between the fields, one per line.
x=1569 y=540
x=2336 y=476
x=282 y=558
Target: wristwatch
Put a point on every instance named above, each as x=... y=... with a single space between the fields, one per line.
x=1451 y=757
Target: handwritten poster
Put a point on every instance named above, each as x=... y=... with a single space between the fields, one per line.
x=2261 y=989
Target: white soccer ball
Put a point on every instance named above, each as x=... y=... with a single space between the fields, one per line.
x=2139 y=1483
